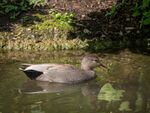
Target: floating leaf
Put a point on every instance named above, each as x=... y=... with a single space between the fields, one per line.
x=124 y=106
x=108 y=93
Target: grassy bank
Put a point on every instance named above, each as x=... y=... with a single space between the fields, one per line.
x=42 y=32
x=57 y=26
x=44 y=44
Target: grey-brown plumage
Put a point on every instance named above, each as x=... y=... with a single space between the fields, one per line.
x=63 y=73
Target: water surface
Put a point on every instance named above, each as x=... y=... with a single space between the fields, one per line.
x=123 y=88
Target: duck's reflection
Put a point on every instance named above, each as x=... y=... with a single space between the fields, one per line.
x=34 y=87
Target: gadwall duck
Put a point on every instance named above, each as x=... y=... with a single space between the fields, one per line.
x=63 y=73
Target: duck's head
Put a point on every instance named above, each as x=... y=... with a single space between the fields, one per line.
x=89 y=62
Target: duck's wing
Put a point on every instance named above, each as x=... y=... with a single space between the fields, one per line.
x=66 y=75
x=37 y=67
x=24 y=66
x=35 y=70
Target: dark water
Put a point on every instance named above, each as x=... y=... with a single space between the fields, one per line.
x=123 y=88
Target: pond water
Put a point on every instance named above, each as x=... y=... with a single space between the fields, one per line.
x=123 y=88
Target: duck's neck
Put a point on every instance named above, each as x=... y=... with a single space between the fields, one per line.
x=89 y=72
x=85 y=67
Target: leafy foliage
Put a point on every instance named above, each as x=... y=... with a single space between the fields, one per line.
x=142 y=10
x=37 y=2
x=139 y=8
x=15 y=7
x=115 y=9
x=62 y=21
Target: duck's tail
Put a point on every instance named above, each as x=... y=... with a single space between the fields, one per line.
x=32 y=74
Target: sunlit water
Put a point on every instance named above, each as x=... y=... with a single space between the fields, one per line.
x=123 y=88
